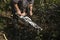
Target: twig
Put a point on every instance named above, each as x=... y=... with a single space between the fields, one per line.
x=5 y=37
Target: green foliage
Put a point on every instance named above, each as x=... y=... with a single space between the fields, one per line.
x=4 y=5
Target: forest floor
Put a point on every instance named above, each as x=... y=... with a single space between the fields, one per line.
x=6 y=20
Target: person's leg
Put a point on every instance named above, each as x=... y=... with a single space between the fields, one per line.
x=24 y=11
x=30 y=8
